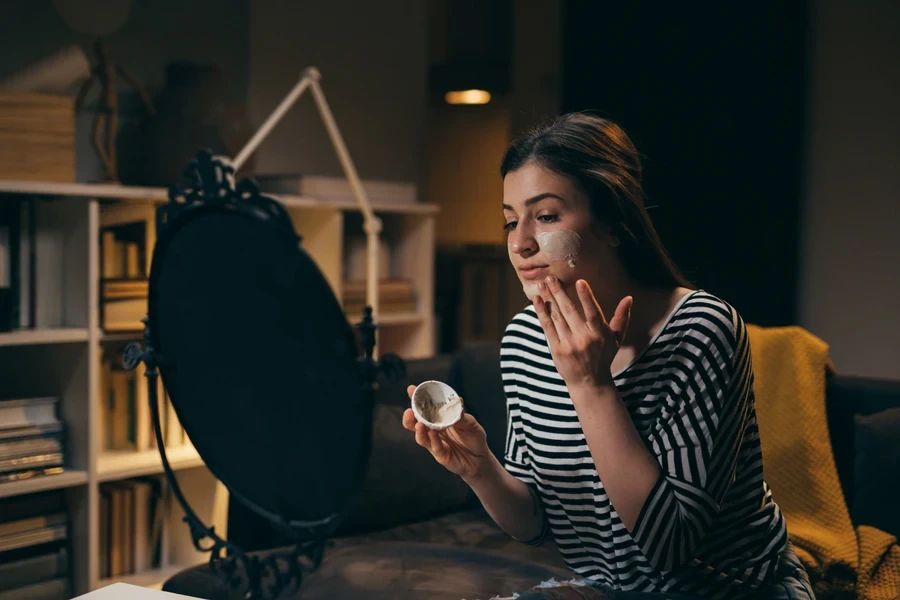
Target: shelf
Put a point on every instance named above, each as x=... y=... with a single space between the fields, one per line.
x=153 y=579
x=68 y=478
x=135 y=193
x=123 y=464
x=384 y=320
x=83 y=190
x=30 y=337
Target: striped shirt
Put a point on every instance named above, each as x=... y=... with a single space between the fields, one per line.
x=709 y=527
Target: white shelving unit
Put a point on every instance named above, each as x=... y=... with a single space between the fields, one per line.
x=61 y=356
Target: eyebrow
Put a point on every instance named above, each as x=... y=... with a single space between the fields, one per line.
x=536 y=199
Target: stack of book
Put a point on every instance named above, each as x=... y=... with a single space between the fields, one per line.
x=124 y=304
x=132 y=513
x=34 y=550
x=125 y=287
x=31 y=438
x=125 y=419
x=394 y=296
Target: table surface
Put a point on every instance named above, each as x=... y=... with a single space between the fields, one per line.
x=125 y=591
x=395 y=571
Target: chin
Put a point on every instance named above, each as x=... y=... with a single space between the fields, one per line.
x=530 y=289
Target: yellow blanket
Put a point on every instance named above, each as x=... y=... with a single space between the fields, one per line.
x=790 y=367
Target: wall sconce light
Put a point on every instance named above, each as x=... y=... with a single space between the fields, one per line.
x=472 y=58
x=467 y=97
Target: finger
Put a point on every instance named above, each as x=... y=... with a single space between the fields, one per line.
x=422 y=436
x=543 y=315
x=436 y=444
x=619 y=323
x=593 y=314
x=409 y=419
x=465 y=423
x=566 y=315
x=409 y=390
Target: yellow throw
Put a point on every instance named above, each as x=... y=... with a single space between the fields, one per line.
x=790 y=368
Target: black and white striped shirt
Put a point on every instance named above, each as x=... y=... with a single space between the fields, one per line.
x=709 y=526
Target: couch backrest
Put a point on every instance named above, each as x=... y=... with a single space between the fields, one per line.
x=475 y=374
x=846 y=398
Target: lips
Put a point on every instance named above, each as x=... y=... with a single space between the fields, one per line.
x=532 y=272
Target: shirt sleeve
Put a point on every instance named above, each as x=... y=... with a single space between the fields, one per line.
x=706 y=410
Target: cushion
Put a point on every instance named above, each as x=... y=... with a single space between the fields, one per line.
x=876 y=500
x=403 y=482
x=475 y=374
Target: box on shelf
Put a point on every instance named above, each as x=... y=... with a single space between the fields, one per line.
x=394 y=296
x=37 y=137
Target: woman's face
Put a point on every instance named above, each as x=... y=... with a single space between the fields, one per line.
x=550 y=230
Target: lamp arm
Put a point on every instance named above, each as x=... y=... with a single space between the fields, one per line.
x=371 y=223
x=270 y=122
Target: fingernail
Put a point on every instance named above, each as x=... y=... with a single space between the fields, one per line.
x=541 y=286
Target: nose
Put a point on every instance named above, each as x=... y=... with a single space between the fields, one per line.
x=521 y=241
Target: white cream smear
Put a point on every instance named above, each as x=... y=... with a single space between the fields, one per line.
x=439 y=412
x=559 y=245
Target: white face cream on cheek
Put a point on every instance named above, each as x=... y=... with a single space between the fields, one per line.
x=559 y=245
x=555 y=246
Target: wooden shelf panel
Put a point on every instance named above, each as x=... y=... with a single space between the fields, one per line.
x=115 y=465
x=31 y=337
x=83 y=190
x=68 y=478
x=136 y=193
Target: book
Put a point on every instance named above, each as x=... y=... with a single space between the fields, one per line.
x=28 y=412
x=33 y=538
x=51 y=564
x=53 y=589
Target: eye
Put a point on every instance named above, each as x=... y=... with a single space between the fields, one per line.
x=548 y=218
x=510 y=226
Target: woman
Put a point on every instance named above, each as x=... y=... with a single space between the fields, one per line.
x=632 y=439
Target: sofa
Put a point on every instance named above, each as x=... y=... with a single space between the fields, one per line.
x=416 y=531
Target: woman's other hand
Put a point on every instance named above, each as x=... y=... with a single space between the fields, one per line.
x=461 y=448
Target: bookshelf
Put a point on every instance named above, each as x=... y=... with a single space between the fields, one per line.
x=61 y=355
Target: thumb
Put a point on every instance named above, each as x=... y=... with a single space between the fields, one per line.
x=619 y=323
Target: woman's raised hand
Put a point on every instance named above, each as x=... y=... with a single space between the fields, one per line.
x=461 y=448
x=582 y=343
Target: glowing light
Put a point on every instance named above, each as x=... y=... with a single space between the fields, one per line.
x=467 y=97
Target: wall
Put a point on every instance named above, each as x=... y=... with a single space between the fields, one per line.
x=154 y=34
x=372 y=56
x=465 y=146
x=850 y=287
x=466 y=143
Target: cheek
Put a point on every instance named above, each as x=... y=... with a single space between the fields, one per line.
x=559 y=245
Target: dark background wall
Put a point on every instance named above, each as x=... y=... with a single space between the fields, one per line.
x=714 y=97
x=849 y=276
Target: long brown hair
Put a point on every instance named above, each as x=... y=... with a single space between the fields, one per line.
x=598 y=156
